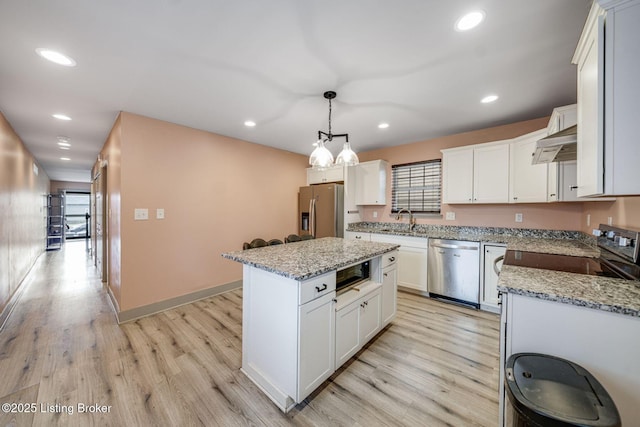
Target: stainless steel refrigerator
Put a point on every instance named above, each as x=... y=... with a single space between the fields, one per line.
x=321 y=210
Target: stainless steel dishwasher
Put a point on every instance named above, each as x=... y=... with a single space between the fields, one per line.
x=453 y=271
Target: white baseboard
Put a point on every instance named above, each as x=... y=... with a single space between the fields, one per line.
x=146 y=310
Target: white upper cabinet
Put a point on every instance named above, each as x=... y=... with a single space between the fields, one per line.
x=371 y=183
x=559 y=176
x=491 y=174
x=457 y=176
x=528 y=181
x=321 y=176
x=476 y=174
x=608 y=59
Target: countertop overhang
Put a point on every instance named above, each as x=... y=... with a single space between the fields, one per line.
x=309 y=258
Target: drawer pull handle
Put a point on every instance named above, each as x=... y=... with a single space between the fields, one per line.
x=385 y=274
x=391 y=259
x=323 y=288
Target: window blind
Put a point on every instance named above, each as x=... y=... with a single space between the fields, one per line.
x=417 y=186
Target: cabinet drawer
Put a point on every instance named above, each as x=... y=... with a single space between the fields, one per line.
x=389 y=258
x=317 y=286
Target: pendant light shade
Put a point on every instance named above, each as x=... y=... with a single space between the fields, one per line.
x=347 y=156
x=321 y=157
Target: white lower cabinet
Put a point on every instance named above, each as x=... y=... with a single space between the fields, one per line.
x=603 y=343
x=492 y=256
x=412 y=260
x=389 y=293
x=357 y=321
x=316 y=340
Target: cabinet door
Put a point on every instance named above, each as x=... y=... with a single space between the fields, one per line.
x=389 y=294
x=316 y=329
x=568 y=182
x=528 y=182
x=590 y=61
x=334 y=174
x=370 y=316
x=412 y=268
x=371 y=183
x=490 y=278
x=491 y=174
x=314 y=176
x=347 y=335
x=457 y=176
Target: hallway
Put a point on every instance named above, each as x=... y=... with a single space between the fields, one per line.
x=63 y=352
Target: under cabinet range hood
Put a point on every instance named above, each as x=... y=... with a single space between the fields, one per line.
x=557 y=147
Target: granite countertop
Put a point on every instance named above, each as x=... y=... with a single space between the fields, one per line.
x=310 y=258
x=597 y=292
x=602 y=293
x=572 y=243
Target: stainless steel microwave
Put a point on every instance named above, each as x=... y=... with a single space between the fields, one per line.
x=352 y=275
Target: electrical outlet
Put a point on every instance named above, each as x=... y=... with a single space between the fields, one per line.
x=450 y=216
x=518 y=217
x=588 y=220
x=159 y=213
x=141 y=214
x=375 y=214
x=610 y=220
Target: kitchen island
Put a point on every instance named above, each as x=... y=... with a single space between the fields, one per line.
x=296 y=331
x=593 y=321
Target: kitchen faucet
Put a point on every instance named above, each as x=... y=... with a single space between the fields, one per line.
x=412 y=220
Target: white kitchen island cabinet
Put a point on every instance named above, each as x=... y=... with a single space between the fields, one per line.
x=290 y=325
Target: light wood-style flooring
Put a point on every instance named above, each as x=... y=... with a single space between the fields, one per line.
x=436 y=364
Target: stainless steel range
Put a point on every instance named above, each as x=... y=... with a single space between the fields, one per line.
x=618 y=256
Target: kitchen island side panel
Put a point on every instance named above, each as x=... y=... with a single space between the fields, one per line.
x=269 y=335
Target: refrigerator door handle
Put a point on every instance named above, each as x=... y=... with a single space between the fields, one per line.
x=312 y=216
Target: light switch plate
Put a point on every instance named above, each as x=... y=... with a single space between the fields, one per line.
x=141 y=214
x=518 y=217
x=159 y=213
x=450 y=216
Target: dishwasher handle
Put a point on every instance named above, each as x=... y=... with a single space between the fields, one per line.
x=450 y=246
x=495 y=264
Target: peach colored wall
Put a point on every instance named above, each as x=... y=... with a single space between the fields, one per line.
x=22 y=211
x=565 y=216
x=624 y=212
x=217 y=192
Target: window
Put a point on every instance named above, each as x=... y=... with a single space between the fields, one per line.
x=417 y=187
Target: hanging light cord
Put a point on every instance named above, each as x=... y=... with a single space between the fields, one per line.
x=330 y=95
x=330 y=135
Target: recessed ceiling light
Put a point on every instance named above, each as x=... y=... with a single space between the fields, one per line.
x=249 y=123
x=470 y=20
x=489 y=98
x=61 y=117
x=56 y=57
x=383 y=125
x=66 y=159
x=64 y=147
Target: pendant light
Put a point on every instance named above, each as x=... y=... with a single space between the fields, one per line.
x=321 y=157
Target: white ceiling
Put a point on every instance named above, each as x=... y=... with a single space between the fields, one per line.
x=212 y=64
